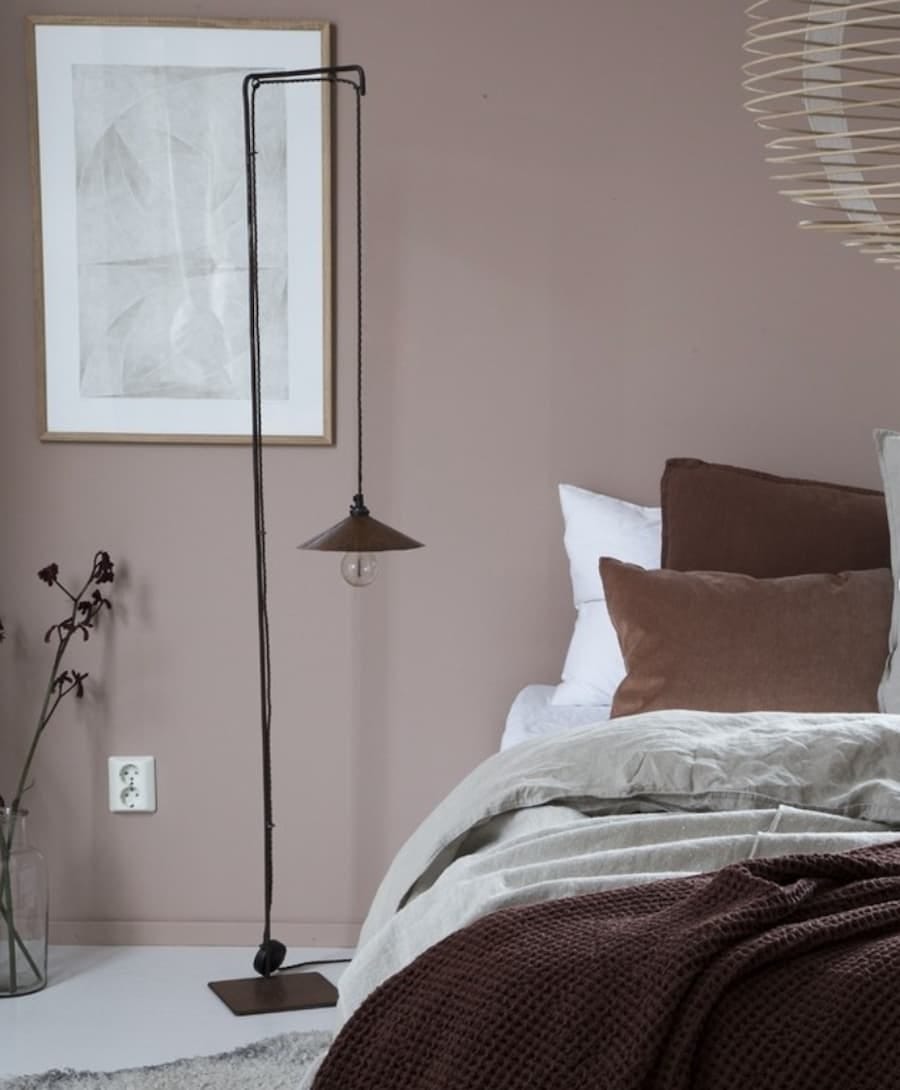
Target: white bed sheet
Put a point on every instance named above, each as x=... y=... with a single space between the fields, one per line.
x=533 y=716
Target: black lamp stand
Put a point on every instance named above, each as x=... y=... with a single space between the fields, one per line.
x=274 y=988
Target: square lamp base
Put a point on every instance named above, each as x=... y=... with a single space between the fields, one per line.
x=281 y=992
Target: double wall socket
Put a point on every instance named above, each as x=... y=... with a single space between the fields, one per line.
x=132 y=784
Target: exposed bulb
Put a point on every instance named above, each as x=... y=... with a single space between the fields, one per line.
x=358 y=569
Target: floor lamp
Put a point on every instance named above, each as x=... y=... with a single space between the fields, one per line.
x=359 y=537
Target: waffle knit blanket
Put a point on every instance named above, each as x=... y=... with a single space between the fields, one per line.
x=769 y=974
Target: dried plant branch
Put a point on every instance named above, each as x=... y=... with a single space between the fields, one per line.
x=86 y=606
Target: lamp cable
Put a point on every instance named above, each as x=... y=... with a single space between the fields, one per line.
x=271 y=952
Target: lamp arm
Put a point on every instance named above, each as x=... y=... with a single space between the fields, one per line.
x=297 y=75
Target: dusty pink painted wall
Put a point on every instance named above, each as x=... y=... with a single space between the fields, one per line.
x=577 y=268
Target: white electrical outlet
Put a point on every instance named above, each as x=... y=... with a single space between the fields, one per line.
x=132 y=784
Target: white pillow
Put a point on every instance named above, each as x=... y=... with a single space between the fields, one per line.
x=596 y=526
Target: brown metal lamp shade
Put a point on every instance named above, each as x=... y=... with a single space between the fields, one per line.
x=360 y=533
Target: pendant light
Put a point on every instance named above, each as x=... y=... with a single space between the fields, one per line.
x=359 y=536
x=824 y=84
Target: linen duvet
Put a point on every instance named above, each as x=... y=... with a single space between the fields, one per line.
x=696 y=838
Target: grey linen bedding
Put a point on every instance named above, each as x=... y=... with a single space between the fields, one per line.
x=624 y=802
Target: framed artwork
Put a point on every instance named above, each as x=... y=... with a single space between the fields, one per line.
x=141 y=237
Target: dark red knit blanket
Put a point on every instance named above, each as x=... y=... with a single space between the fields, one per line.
x=769 y=974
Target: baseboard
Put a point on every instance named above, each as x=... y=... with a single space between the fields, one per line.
x=197 y=933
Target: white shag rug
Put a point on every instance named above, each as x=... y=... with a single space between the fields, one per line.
x=276 y=1063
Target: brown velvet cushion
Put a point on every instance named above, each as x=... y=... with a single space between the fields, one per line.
x=722 y=518
x=724 y=642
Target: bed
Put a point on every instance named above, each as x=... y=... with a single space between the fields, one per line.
x=634 y=893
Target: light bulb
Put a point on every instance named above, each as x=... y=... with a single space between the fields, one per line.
x=358 y=569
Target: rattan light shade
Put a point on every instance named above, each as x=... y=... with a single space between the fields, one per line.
x=824 y=83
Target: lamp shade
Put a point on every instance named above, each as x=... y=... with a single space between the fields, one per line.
x=823 y=82
x=360 y=534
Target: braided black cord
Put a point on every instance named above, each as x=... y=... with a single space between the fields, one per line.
x=359 y=298
x=358 y=88
x=271 y=953
x=259 y=518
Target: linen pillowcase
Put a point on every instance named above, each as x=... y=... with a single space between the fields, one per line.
x=723 y=518
x=726 y=642
x=595 y=526
x=888 y=444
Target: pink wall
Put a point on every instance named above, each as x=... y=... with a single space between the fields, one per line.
x=577 y=268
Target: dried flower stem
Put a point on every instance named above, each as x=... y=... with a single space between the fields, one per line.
x=13 y=938
x=60 y=683
x=6 y=899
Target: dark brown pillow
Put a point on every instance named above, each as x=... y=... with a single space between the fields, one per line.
x=722 y=518
x=722 y=642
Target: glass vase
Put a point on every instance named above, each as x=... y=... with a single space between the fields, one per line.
x=23 y=908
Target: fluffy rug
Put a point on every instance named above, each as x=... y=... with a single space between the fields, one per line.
x=277 y=1063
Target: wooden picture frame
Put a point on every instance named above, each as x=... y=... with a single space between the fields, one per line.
x=140 y=233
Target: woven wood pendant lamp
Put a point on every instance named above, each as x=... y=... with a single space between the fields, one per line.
x=824 y=84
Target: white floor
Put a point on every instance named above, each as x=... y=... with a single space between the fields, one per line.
x=109 y=1007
